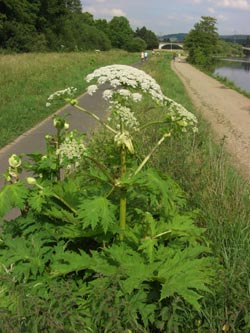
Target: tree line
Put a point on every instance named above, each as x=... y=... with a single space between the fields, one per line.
x=62 y=25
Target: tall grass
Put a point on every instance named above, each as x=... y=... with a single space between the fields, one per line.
x=27 y=80
x=223 y=199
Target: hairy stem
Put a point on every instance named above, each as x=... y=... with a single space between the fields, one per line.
x=152 y=123
x=123 y=198
x=151 y=153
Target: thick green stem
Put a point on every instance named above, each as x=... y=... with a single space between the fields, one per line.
x=152 y=123
x=151 y=153
x=123 y=198
x=58 y=143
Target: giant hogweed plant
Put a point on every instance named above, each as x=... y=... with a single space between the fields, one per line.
x=96 y=220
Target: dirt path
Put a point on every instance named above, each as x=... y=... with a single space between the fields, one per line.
x=227 y=111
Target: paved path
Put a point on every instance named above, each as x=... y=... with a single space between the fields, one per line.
x=33 y=140
x=227 y=111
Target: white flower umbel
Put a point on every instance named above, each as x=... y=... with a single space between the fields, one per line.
x=124 y=114
x=61 y=94
x=70 y=152
x=126 y=77
x=92 y=89
x=180 y=115
x=128 y=84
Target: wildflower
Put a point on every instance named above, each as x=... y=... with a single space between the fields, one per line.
x=14 y=161
x=124 y=139
x=124 y=114
x=126 y=76
x=68 y=92
x=107 y=94
x=92 y=89
x=71 y=151
x=124 y=92
x=137 y=97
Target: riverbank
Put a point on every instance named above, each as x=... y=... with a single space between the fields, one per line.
x=226 y=110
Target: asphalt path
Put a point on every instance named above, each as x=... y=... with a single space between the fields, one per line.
x=33 y=140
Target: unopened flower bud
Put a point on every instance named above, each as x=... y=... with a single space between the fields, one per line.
x=66 y=126
x=14 y=161
x=73 y=101
x=31 y=180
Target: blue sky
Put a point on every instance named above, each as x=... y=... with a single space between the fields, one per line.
x=174 y=16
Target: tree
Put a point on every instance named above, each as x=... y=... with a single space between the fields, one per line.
x=136 y=44
x=120 y=32
x=202 y=42
x=102 y=25
x=17 y=24
x=148 y=36
x=73 y=6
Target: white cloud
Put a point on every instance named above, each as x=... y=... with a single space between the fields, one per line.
x=117 y=12
x=211 y=10
x=236 y=4
x=89 y=9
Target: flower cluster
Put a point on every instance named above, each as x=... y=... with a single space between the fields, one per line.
x=125 y=81
x=126 y=76
x=180 y=115
x=124 y=114
x=68 y=92
x=71 y=151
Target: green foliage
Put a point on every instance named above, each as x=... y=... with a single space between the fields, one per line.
x=201 y=42
x=120 y=32
x=136 y=44
x=229 y=49
x=68 y=236
x=103 y=244
x=149 y=37
x=12 y=195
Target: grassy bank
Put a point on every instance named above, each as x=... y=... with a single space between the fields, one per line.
x=223 y=199
x=27 y=80
x=213 y=187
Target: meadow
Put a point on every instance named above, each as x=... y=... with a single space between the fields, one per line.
x=220 y=197
x=27 y=80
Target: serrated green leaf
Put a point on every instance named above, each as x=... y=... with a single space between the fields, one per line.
x=97 y=210
x=12 y=195
x=65 y=262
x=185 y=274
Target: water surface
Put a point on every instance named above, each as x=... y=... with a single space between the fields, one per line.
x=237 y=71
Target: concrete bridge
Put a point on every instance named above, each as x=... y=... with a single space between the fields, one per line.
x=246 y=51
x=171 y=45
x=175 y=46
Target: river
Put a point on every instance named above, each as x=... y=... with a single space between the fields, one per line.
x=235 y=70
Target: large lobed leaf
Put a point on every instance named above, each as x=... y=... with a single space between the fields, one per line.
x=97 y=210
x=12 y=195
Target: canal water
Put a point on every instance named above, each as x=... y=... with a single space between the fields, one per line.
x=236 y=71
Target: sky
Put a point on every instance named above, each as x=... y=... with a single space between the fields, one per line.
x=165 y=17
